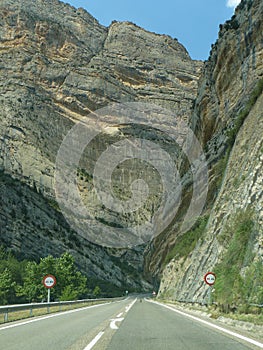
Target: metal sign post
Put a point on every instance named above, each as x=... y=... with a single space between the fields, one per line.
x=210 y=295
x=48 y=295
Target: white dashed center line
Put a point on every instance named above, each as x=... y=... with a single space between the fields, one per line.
x=94 y=341
x=112 y=326
x=127 y=309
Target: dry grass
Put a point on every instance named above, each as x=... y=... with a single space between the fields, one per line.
x=255 y=317
x=20 y=315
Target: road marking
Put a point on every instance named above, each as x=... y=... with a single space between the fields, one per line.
x=50 y=316
x=94 y=341
x=118 y=319
x=127 y=309
x=113 y=325
x=249 y=340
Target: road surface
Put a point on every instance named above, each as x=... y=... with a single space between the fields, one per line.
x=126 y=325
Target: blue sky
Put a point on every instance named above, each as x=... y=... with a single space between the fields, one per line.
x=194 y=23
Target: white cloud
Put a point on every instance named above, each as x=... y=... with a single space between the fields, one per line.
x=232 y=3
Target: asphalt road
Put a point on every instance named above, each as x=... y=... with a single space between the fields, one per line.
x=150 y=327
x=128 y=324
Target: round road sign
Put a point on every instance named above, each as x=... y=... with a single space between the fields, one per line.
x=210 y=278
x=49 y=281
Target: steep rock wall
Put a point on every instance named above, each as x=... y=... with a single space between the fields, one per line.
x=229 y=78
x=58 y=64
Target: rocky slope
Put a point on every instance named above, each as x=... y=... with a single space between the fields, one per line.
x=58 y=64
x=228 y=121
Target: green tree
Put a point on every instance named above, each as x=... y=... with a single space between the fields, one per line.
x=97 y=291
x=15 y=270
x=32 y=288
x=68 y=293
x=71 y=284
x=6 y=285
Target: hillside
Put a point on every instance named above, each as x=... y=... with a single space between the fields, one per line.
x=58 y=64
x=228 y=121
x=185 y=195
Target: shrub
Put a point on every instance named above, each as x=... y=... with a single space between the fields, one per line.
x=230 y=285
x=186 y=243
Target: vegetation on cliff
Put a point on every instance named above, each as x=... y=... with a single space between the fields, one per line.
x=239 y=275
x=239 y=120
x=186 y=243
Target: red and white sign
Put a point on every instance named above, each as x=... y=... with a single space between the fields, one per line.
x=49 y=281
x=210 y=278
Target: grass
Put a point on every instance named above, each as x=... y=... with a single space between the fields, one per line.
x=186 y=243
x=255 y=319
x=255 y=316
x=219 y=169
x=20 y=315
x=241 y=224
x=235 y=290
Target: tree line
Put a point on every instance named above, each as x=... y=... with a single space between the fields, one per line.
x=21 y=281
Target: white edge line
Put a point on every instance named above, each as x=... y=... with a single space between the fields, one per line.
x=94 y=341
x=119 y=315
x=50 y=316
x=249 y=340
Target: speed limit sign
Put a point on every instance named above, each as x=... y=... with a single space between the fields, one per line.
x=49 y=281
x=210 y=278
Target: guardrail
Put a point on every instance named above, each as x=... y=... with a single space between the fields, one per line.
x=7 y=309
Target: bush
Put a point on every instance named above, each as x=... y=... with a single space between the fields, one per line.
x=232 y=288
x=186 y=243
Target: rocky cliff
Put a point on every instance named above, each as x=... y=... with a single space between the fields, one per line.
x=228 y=119
x=57 y=65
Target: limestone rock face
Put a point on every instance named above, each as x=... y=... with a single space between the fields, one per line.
x=230 y=75
x=57 y=65
x=241 y=189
